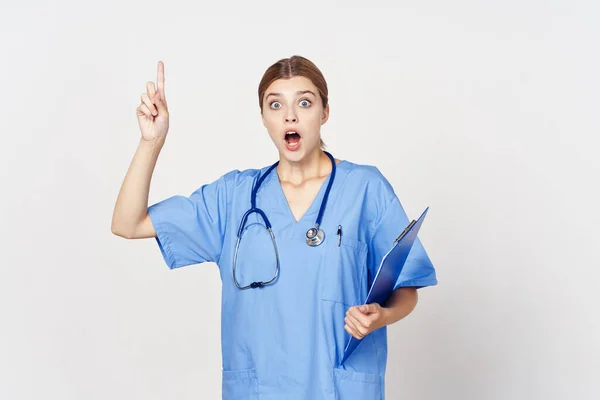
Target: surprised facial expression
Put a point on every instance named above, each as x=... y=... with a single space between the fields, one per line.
x=293 y=114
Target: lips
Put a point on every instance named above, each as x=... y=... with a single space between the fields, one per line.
x=292 y=139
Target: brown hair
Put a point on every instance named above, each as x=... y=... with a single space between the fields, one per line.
x=287 y=68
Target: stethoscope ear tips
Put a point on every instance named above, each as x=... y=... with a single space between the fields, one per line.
x=314 y=237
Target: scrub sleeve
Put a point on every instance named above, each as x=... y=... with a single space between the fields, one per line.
x=418 y=270
x=190 y=230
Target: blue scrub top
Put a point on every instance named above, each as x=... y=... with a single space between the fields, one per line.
x=286 y=340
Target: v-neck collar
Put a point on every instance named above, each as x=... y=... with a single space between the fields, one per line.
x=281 y=201
x=314 y=205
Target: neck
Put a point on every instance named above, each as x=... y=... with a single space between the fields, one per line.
x=313 y=165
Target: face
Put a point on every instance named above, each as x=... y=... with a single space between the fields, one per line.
x=293 y=114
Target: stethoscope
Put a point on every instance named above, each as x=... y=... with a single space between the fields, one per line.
x=314 y=236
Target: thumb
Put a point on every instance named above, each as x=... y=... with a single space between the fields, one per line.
x=367 y=308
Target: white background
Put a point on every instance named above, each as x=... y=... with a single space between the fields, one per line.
x=485 y=111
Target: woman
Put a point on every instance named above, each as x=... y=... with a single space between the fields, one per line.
x=288 y=297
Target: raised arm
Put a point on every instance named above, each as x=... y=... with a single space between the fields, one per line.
x=130 y=217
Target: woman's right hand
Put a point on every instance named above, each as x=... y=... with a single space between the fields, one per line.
x=152 y=113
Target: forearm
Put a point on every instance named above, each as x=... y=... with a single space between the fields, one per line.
x=132 y=201
x=400 y=304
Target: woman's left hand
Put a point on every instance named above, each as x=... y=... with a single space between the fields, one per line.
x=362 y=320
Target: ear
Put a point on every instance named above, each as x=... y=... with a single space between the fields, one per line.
x=325 y=116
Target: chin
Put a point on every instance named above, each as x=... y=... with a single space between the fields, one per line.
x=307 y=147
x=292 y=156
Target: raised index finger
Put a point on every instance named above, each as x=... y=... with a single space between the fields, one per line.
x=161 y=79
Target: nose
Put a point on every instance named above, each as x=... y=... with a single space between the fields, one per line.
x=291 y=117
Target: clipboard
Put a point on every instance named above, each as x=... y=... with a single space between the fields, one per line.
x=389 y=270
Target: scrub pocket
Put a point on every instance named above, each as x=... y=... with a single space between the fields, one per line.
x=344 y=271
x=351 y=385
x=240 y=385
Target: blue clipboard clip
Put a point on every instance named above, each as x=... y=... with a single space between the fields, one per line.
x=389 y=270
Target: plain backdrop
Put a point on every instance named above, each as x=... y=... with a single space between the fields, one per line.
x=485 y=111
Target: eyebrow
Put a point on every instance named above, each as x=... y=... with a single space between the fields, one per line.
x=300 y=92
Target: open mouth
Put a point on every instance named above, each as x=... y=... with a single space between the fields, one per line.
x=292 y=136
x=292 y=139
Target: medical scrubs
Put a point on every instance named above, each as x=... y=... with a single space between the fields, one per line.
x=286 y=340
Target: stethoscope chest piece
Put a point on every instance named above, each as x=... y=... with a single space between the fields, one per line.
x=315 y=236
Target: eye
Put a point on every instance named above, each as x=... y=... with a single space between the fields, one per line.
x=305 y=103
x=275 y=104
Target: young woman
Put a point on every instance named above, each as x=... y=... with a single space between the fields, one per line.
x=297 y=244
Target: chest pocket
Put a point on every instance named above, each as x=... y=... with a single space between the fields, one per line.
x=344 y=272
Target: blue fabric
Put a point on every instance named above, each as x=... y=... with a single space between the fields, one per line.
x=285 y=340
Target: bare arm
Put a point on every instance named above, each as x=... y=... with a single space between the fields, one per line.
x=130 y=216
x=400 y=304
